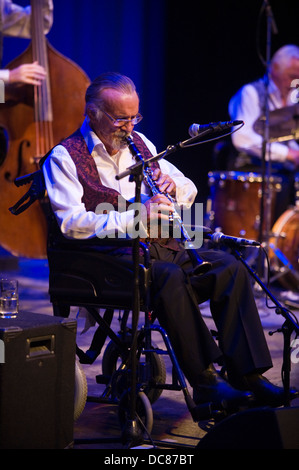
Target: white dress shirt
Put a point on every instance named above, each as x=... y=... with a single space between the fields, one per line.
x=15 y=21
x=65 y=191
x=245 y=106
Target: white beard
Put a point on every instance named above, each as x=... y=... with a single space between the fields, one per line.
x=118 y=142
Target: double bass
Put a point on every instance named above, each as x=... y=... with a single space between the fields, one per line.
x=34 y=119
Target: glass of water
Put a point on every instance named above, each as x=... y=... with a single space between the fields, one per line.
x=9 y=298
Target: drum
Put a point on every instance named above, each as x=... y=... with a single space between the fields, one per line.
x=284 y=248
x=234 y=204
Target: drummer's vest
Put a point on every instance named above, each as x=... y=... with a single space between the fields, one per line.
x=259 y=85
x=243 y=160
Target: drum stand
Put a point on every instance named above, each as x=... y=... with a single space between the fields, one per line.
x=288 y=328
x=264 y=238
x=286 y=265
x=286 y=268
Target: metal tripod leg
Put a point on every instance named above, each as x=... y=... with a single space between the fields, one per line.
x=287 y=265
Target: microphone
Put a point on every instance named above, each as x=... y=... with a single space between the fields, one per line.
x=195 y=129
x=220 y=238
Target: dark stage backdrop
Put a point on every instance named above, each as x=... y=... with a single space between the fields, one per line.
x=187 y=58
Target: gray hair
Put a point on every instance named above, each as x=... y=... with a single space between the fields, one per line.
x=112 y=80
x=283 y=56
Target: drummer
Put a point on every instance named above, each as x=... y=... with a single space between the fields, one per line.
x=248 y=105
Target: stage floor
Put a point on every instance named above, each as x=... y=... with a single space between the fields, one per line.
x=98 y=427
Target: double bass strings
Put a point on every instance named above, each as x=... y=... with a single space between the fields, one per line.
x=43 y=113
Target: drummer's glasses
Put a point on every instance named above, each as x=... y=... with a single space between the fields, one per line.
x=122 y=122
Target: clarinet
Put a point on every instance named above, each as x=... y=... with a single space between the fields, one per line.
x=199 y=265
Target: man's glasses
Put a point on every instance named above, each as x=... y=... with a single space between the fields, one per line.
x=122 y=122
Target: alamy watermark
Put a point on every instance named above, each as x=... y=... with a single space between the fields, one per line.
x=295 y=351
x=295 y=93
x=186 y=222
x=2 y=92
x=2 y=352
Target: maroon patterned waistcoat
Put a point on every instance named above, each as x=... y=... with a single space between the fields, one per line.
x=94 y=192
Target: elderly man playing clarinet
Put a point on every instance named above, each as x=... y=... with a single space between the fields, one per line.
x=80 y=174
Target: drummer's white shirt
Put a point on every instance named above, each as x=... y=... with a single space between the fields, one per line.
x=245 y=106
x=65 y=191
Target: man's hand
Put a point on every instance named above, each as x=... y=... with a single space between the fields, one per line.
x=293 y=156
x=164 y=182
x=158 y=207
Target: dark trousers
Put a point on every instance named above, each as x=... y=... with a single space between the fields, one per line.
x=176 y=294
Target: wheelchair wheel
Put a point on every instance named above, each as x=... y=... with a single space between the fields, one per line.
x=144 y=412
x=80 y=390
x=112 y=358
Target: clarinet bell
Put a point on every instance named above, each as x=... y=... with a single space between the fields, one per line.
x=202 y=268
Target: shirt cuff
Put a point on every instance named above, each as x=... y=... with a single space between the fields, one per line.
x=4 y=75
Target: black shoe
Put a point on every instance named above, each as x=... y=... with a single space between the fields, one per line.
x=265 y=393
x=212 y=388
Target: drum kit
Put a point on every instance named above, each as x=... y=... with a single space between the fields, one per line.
x=234 y=205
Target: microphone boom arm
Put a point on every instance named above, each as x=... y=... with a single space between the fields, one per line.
x=193 y=140
x=170 y=149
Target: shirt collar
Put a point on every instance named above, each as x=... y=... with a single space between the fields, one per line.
x=90 y=137
x=273 y=88
x=94 y=144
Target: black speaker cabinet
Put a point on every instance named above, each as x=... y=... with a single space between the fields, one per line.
x=37 y=376
x=260 y=428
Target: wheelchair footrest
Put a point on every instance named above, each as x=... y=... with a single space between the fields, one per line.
x=101 y=399
x=167 y=387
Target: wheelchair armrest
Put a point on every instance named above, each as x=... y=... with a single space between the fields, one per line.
x=37 y=191
x=26 y=178
x=81 y=245
x=87 y=275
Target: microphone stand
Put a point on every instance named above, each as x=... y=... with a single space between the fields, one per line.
x=266 y=172
x=289 y=326
x=132 y=433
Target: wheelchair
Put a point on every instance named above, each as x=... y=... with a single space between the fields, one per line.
x=83 y=277
x=83 y=274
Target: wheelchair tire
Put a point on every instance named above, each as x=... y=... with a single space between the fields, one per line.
x=144 y=412
x=110 y=360
x=80 y=390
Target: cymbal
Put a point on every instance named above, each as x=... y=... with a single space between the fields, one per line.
x=283 y=124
